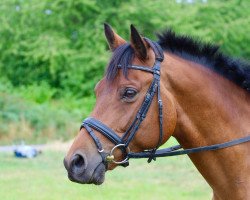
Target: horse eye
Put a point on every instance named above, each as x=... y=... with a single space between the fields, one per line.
x=129 y=93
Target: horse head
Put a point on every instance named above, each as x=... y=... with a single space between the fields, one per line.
x=120 y=103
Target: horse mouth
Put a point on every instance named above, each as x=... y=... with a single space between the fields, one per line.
x=98 y=175
x=97 y=178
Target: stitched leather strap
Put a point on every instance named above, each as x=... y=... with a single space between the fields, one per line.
x=102 y=128
x=172 y=151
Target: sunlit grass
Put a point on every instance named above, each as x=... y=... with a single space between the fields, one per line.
x=44 y=177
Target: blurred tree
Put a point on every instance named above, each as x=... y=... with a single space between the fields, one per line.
x=61 y=41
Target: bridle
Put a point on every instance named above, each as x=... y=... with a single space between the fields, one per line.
x=123 y=142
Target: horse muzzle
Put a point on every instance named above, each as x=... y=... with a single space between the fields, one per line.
x=81 y=171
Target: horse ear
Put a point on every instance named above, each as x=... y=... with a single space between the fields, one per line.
x=113 y=39
x=138 y=43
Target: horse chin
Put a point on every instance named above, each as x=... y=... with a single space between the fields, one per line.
x=98 y=176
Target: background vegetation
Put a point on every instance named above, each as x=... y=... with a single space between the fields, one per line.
x=52 y=52
x=44 y=178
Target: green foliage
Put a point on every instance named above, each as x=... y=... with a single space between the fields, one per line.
x=38 y=93
x=20 y=120
x=61 y=42
x=30 y=114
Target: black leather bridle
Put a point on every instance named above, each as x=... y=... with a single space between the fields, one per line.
x=123 y=142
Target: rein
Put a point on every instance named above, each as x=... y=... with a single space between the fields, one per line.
x=122 y=143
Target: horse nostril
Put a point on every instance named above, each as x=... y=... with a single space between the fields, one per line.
x=78 y=163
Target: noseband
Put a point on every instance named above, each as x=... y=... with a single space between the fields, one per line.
x=123 y=142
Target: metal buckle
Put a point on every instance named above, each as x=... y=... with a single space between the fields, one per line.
x=100 y=151
x=111 y=157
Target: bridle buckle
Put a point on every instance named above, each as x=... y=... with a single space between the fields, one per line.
x=110 y=158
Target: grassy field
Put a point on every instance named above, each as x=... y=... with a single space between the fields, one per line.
x=45 y=178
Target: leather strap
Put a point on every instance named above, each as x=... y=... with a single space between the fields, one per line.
x=96 y=140
x=172 y=151
x=102 y=128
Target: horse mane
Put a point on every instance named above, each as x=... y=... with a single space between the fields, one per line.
x=206 y=54
x=236 y=70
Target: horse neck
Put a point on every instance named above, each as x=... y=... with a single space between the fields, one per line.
x=210 y=110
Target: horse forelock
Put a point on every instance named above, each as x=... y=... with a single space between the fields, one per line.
x=123 y=57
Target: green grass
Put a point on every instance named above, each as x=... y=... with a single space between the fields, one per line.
x=45 y=178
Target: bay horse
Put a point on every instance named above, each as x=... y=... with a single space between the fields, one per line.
x=190 y=90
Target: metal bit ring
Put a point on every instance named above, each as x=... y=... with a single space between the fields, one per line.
x=111 y=158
